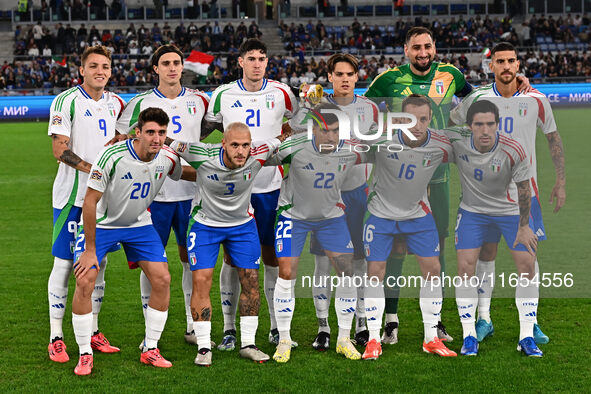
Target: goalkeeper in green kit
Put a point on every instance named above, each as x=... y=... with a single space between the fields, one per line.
x=439 y=82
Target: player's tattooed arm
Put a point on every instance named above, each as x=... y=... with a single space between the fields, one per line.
x=525 y=235
x=63 y=153
x=557 y=153
x=208 y=127
x=249 y=297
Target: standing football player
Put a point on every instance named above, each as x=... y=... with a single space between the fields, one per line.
x=489 y=163
x=82 y=119
x=521 y=114
x=262 y=105
x=172 y=206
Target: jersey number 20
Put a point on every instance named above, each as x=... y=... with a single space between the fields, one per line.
x=141 y=189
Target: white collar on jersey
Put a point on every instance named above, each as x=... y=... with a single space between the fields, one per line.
x=399 y=134
x=159 y=94
x=496 y=91
x=491 y=150
x=241 y=85
x=86 y=95
x=330 y=99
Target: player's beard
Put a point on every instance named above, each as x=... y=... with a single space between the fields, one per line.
x=425 y=67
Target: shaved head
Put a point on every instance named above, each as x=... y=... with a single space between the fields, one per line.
x=236 y=144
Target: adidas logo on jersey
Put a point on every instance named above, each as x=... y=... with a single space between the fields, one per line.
x=540 y=233
x=308 y=166
x=236 y=104
x=464 y=157
x=213 y=177
x=350 y=245
x=87 y=113
x=127 y=176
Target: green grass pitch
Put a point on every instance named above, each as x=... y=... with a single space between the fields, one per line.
x=26 y=176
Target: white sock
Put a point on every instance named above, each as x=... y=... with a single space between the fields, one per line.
x=485 y=271
x=229 y=292
x=526 y=299
x=57 y=295
x=344 y=305
x=187 y=284
x=430 y=300
x=155 y=322
x=248 y=329
x=321 y=291
x=374 y=311
x=537 y=272
x=203 y=333
x=466 y=300
x=360 y=270
x=145 y=291
x=284 y=306
x=392 y=318
x=269 y=281
x=97 y=295
x=82 y=325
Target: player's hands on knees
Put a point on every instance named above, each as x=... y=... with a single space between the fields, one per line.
x=523 y=84
x=117 y=138
x=85 y=263
x=559 y=195
x=527 y=238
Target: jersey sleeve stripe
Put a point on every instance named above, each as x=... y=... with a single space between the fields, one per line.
x=541 y=110
x=288 y=103
x=510 y=157
x=513 y=144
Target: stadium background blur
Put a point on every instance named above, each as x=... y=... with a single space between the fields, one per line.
x=553 y=41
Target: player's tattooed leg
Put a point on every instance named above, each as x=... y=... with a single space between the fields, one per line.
x=249 y=297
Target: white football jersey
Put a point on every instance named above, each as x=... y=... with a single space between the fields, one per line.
x=312 y=189
x=520 y=116
x=398 y=190
x=129 y=185
x=262 y=111
x=223 y=194
x=89 y=125
x=185 y=112
x=488 y=179
x=361 y=110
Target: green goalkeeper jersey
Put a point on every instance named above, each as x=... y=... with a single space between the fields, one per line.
x=439 y=85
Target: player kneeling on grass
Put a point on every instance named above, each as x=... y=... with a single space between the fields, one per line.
x=123 y=182
x=399 y=207
x=222 y=215
x=489 y=163
x=310 y=201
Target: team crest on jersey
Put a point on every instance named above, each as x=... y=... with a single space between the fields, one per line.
x=96 y=175
x=270 y=100
x=192 y=259
x=427 y=160
x=366 y=247
x=56 y=120
x=279 y=246
x=247 y=174
x=159 y=172
x=342 y=164
x=523 y=109
x=496 y=165
x=112 y=110
x=439 y=87
x=191 y=107
x=361 y=114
